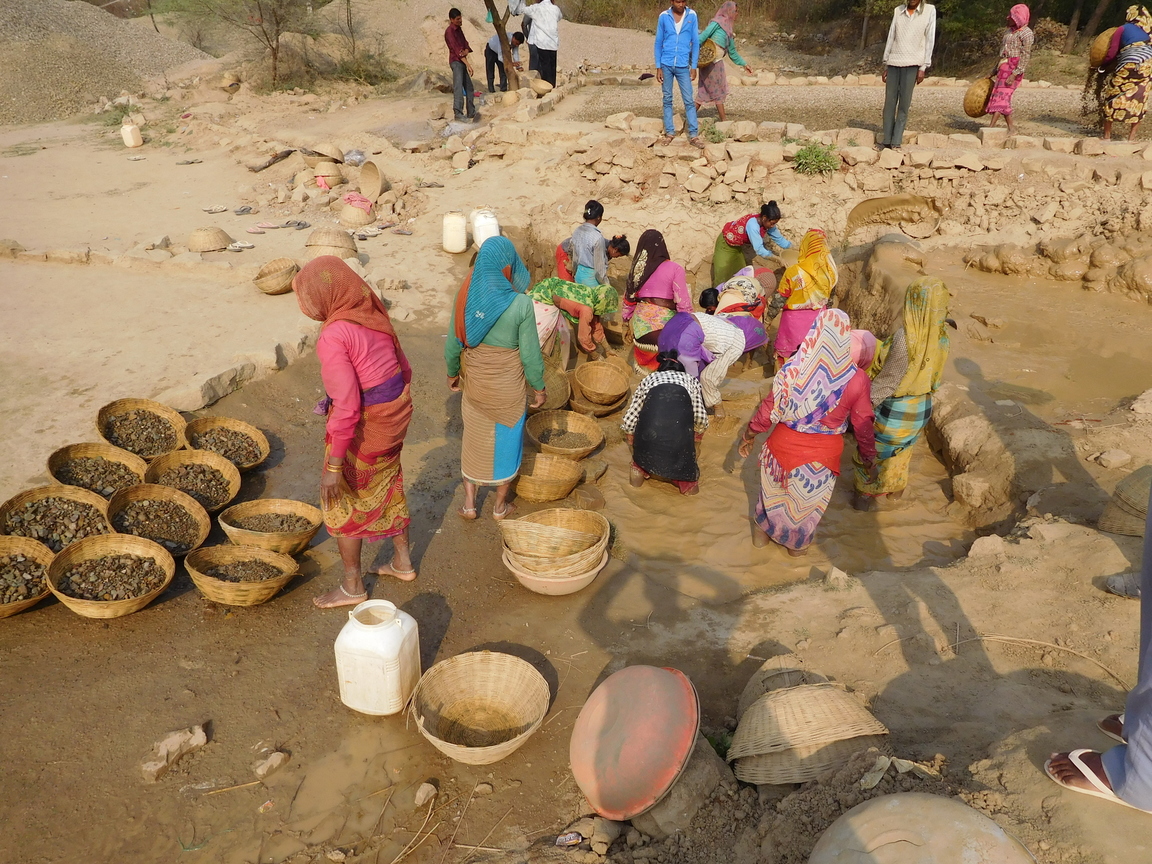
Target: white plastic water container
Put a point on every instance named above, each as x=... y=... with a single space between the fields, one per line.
x=130 y=132
x=378 y=658
x=485 y=225
x=455 y=232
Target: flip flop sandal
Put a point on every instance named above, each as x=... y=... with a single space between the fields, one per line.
x=509 y=509
x=219 y=208
x=137 y=158
x=429 y=184
x=255 y=231
x=384 y=226
x=403 y=231
x=268 y=225
x=190 y=162
x=468 y=514
x=300 y=226
x=240 y=246
x=1125 y=585
x=1101 y=791
x=370 y=231
x=242 y=211
x=1119 y=718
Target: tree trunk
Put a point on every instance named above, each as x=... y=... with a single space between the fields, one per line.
x=864 y=30
x=274 y=51
x=498 y=21
x=1094 y=22
x=1070 y=40
x=153 y=17
x=350 y=24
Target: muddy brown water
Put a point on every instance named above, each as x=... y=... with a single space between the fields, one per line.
x=94 y=695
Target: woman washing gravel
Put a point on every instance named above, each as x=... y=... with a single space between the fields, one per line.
x=369 y=406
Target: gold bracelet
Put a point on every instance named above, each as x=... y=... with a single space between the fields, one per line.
x=338 y=469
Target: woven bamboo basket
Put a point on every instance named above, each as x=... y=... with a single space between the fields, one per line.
x=210 y=239
x=329 y=172
x=156 y=492
x=557 y=387
x=554 y=533
x=29 y=548
x=541 y=560
x=480 y=707
x=614 y=327
x=1116 y=519
x=620 y=363
x=123 y=406
x=64 y=455
x=1099 y=48
x=276 y=276
x=551 y=586
x=354 y=217
x=238 y=593
x=777 y=673
x=546 y=478
x=71 y=493
x=1133 y=490
x=564 y=421
x=976 y=97
x=591 y=409
x=560 y=568
x=329 y=151
x=198 y=427
x=372 y=182
x=99 y=547
x=330 y=241
x=200 y=457
x=800 y=733
x=287 y=543
x=601 y=382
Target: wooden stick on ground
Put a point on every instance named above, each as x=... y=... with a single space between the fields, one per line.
x=376 y=827
x=486 y=836
x=459 y=822
x=230 y=788
x=405 y=850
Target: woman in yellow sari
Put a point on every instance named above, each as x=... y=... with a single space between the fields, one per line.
x=908 y=369
x=804 y=290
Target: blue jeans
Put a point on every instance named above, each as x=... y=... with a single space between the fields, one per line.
x=682 y=74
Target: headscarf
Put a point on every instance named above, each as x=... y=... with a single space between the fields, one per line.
x=1020 y=16
x=811 y=383
x=863 y=348
x=496 y=278
x=766 y=276
x=808 y=283
x=746 y=287
x=926 y=334
x=651 y=252
x=726 y=16
x=329 y=290
x=1139 y=16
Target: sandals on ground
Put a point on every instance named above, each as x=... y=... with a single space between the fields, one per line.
x=1100 y=790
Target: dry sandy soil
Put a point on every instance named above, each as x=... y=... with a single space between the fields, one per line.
x=83 y=700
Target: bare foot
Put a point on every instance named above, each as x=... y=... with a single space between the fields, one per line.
x=468 y=514
x=389 y=569
x=759 y=538
x=797 y=553
x=862 y=502
x=337 y=597
x=501 y=515
x=1065 y=772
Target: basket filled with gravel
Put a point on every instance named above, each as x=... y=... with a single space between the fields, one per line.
x=161 y=514
x=110 y=576
x=56 y=516
x=240 y=443
x=141 y=426
x=276 y=524
x=99 y=468
x=239 y=575
x=23 y=574
x=208 y=477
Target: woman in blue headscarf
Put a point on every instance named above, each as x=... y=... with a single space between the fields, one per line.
x=493 y=356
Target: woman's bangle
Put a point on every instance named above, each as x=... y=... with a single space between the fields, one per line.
x=335 y=469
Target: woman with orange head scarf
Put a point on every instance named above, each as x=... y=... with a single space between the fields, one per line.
x=369 y=405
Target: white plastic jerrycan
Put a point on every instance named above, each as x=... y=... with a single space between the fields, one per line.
x=378 y=658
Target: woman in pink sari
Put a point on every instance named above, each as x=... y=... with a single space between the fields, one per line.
x=1015 y=51
x=657 y=289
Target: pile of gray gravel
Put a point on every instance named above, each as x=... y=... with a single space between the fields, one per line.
x=59 y=56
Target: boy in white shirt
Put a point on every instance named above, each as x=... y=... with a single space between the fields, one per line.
x=907 y=56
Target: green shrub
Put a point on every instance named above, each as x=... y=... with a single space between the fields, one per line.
x=815 y=158
x=710 y=133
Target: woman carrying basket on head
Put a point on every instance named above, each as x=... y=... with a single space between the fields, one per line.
x=1124 y=90
x=1015 y=52
x=369 y=405
x=716 y=43
x=493 y=355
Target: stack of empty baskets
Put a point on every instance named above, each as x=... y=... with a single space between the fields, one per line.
x=792 y=731
x=1128 y=509
x=556 y=551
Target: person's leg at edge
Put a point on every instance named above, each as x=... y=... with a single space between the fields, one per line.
x=684 y=78
x=1106 y=130
x=891 y=91
x=503 y=75
x=459 y=73
x=1127 y=768
x=666 y=92
x=469 y=98
x=547 y=65
x=907 y=78
x=501 y=508
x=468 y=511
x=720 y=111
x=1132 y=131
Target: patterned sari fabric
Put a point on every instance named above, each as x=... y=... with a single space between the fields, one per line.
x=806 y=288
x=601 y=299
x=800 y=460
x=647 y=322
x=1125 y=92
x=902 y=416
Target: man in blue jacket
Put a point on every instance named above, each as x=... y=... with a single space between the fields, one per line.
x=677 y=48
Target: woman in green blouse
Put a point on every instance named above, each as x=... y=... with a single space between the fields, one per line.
x=713 y=84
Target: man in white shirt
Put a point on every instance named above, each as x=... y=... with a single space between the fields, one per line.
x=544 y=33
x=493 y=55
x=907 y=56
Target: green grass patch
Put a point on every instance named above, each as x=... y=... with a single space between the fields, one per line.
x=815 y=158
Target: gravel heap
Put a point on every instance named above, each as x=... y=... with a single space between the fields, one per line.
x=57 y=57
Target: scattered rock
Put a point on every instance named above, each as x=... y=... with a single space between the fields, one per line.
x=168 y=751
x=484 y=789
x=993 y=544
x=273 y=762
x=704 y=772
x=621 y=121
x=1114 y=458
x=837 y=580
x=425 y=793
x=588 y=497
x=1143 y=403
